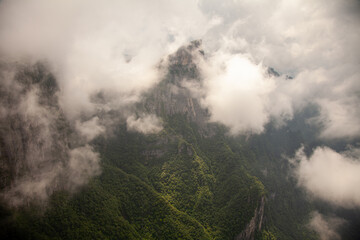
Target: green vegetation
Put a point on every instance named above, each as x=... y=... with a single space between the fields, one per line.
x=164 y=186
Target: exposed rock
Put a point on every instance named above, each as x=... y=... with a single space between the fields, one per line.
x=153 y=153
x=171 y=96
x=40 y=151
x=186 y=149
x=255 y=223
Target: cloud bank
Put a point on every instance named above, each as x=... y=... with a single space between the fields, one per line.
x=116 y=47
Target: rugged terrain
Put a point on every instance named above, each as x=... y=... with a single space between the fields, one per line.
x=191 y=180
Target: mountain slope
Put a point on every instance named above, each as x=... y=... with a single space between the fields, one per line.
x=189 y=181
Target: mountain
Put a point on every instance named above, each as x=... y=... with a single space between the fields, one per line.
x=191 y=180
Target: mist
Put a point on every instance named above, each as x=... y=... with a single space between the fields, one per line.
x=326 y=226
x=300 y=39
x=104 y=56
x=100 y=58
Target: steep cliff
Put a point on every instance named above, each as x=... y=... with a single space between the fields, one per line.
x=34 y=134
x=40 y=151
x=255 y=224
x=171 y=96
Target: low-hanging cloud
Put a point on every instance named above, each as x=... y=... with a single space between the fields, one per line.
x=237 y=93
x=330 y=176
x=83 y=164
x=315 y=43
x=39 y=155
x=145 y=124
x=90 y=128
x=326 y=227
x=94 y=45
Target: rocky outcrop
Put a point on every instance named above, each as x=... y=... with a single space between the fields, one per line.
x=175 y=93
x=255 y=223
x=153 y=153
x=170 y=96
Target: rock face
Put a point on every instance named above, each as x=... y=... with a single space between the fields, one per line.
x=171 y=95
x=255 y=223
x=39 y=150
x=175 y=93
x=32 y=123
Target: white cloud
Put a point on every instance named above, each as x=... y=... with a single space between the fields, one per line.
x=145 y=124
x=316 y=43
x=330 y=176
x=95 y=45
x=237 y=93
x=83 y=164
x=340 y=118
x=90 y=129
x=115 y=46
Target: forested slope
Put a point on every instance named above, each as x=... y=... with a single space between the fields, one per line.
x=191 y=180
